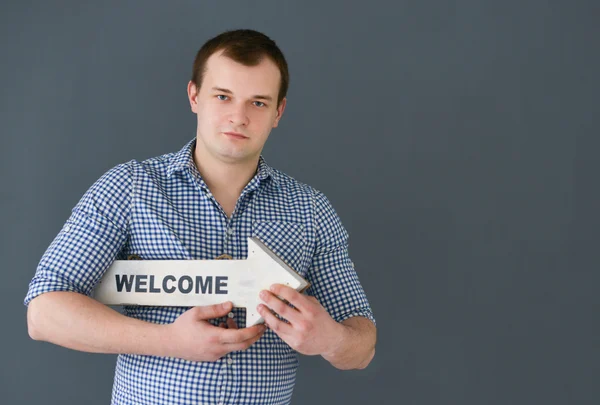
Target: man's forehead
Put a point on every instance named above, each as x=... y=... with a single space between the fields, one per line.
x=224 y=72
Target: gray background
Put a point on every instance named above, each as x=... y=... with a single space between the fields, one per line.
x=456 y=139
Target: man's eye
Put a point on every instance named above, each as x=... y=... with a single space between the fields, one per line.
x=222 y=97
x=259 y=104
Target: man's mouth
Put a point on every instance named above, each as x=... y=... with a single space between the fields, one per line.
x=235 y=135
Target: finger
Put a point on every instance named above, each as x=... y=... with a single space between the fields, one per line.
x=239 y=335
x=231 y=347
x=280 y=307
x=289 y=294
x=231 y=324
x=213 y=311
x=275 y=324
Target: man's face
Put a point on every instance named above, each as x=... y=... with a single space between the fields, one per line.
x=236 y=108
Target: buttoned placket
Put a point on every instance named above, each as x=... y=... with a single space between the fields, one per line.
x=230 y=223
x=228 y=367
x=228 y=362
x=224 y=382
x=228 y=235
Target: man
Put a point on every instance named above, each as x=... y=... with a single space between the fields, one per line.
x=200 y=203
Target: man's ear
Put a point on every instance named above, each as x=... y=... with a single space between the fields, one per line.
x=280 y=109
x=192 y=92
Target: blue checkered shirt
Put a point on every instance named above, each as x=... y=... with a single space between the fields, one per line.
x=161 y=209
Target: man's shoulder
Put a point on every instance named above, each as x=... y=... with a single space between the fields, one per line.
x=289 y=184
x=157 y=163
x=294 y=193
x=297 y=191
x=156 y=166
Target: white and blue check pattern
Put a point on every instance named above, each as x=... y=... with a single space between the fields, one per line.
x=161 y=209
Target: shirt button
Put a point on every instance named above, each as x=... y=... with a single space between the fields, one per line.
x=230 y=231
x=67 y=228
x=230 y=361
x=230 y=315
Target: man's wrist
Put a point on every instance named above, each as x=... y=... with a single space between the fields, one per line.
x=338 y=344
x=165 y=346
x=151 y=339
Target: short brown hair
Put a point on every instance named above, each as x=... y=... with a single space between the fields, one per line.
x=247 y=47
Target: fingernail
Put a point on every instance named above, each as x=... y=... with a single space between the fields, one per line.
x=263 y=294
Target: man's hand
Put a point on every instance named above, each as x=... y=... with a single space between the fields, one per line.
x=310 y=330
x=191 y=337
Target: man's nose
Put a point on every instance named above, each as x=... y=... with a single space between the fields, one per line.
x=238 y=116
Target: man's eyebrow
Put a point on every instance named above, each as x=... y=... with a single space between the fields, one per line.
x=258 y=96
x=222 y=90
x=268 y=98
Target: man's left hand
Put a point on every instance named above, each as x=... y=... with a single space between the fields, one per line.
x=310 y=331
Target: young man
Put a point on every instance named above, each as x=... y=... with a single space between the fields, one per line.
x=199 y=203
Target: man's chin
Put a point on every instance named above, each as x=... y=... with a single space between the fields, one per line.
x=235 y=156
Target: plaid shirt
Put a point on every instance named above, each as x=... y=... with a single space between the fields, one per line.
x=161 y=209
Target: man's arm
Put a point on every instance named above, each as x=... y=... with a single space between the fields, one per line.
x=357 y=345
x=334 y=320
x=60 y=310
x=79 y=322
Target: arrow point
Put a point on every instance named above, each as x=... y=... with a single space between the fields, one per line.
x=270 y=263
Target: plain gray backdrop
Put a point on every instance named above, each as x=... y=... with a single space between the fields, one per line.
x=457 y=141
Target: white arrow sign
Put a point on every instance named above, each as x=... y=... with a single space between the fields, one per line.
x=186 y=283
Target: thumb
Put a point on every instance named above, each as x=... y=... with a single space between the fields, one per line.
x=213 y=311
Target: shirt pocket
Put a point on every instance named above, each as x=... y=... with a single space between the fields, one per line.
x=286 y=239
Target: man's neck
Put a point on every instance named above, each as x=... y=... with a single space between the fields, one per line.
x=223 y=178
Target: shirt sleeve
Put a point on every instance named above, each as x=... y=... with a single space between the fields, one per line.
x=334 y=281
x=90 y=239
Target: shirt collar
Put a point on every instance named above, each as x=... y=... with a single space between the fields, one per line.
x=183 y=160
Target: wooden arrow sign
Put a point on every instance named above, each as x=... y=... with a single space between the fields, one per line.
x=185 y=283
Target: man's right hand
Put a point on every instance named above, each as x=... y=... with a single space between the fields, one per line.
x=191 y=337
